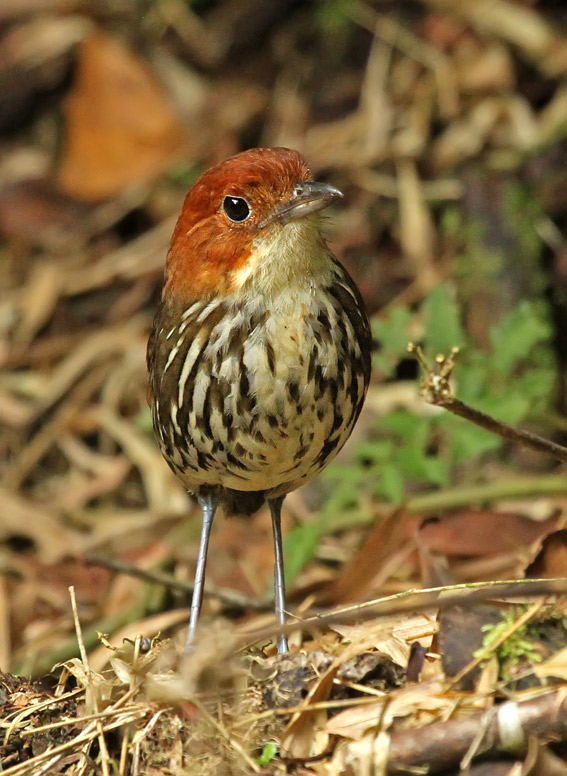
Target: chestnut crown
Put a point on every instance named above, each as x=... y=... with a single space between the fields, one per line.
x=234 y=213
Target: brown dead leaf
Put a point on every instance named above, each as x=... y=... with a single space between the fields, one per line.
x=305 y=735
x=40 y=298
x=509 y=21
x=120 y=129
x=13 y=9
x=80 y=488
x=482 y=532
x=483 y=69
x=381 y=542
x=161 y=491
x=427 y=698
x=555 y=666
x=434 y=568
x=444 y=31
x=551 y=558
x=417 y=233
x=462 y=631
x=381 y=635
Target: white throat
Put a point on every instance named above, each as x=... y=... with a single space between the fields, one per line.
x=286 y=258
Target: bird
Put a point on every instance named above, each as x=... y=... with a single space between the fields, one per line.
x=259 y=356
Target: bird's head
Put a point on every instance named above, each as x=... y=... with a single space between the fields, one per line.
x=251 y=220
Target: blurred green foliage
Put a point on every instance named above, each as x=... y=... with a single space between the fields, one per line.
x=183 y=175
x=332 y=16
x=512 y=380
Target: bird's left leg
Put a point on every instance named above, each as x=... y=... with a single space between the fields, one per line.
x=279 y=579
x=209 y=504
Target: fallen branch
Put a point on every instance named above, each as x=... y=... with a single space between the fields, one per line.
x=229 y=598
x=504 y=729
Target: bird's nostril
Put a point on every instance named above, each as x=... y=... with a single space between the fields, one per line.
x=298 y=190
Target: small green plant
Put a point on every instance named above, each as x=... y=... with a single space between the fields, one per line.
x=269 y=751
x=512 y=381
x=518 y=649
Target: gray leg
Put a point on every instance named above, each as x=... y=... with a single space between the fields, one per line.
x=279 y=579
x=208 y=505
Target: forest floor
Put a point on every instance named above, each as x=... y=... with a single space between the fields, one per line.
x=426 y=569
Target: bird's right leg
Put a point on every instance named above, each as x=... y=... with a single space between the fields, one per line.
x=279 y=578
x=209 y=505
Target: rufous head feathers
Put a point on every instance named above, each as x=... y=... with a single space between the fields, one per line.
x=228 y=211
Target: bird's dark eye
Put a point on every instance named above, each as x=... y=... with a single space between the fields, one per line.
x=236 y=208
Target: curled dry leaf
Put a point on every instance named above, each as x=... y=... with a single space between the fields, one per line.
x=551 y=557
x=482 y=532
x=305 y=735
x=426 y=700
x=386 y=636
x=120 y=129
x=555 y=666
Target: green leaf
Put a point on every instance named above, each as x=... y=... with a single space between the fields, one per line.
x=510 y=381
x=452 y=223
x=332 y=16
x=300 y=546
x=443 y=329
x=536 y=385
x=392 y=333
x=468 y=442
x=269 y=751
x=374 y=450
x=422 y=467
x=510 y=408
x=406 y=425
x=515 y=335
x=471 y=378
x=435 y=470
x=391 y=483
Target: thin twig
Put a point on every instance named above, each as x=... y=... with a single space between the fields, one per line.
x=226 y=735
x=227 y=597
x=139 y=738
x=104 y=756
x=420 y=600
x=491 y=649
x=285 y=711
x=525 y=438
x=436 y=390
x=87 y=735
x=75 y=721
